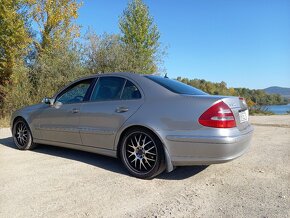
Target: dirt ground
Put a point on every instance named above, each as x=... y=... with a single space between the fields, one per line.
x=58 y=182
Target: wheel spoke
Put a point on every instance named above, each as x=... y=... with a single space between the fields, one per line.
x=147 y=143
x=135 y=160
x=143 y=141
x=141 y=161
x=24 y=139
x=133 y=143
x=148 y=152
x=150 y=159
x=149 y=149
x=131 y=153
x=140 y=165
x=131 y=146
x=145 y=158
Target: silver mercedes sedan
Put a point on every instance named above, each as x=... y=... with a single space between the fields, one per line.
x=150 y=122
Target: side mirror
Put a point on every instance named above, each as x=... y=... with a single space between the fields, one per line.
x=47 y=101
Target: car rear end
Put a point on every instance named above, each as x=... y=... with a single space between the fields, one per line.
x=221 y=131
x=196 y=128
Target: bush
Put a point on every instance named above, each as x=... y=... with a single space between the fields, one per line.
x=18 y=93
x=55 y=69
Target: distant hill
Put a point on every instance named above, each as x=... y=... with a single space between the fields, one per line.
x=285 y=92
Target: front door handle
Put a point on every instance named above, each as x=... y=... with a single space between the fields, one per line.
x=121 y=109
x=75 y=110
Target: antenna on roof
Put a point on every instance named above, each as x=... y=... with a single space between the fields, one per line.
x=165 y=76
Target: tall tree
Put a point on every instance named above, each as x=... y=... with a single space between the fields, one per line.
x=106 y=53
x=14 y=37
x=56 y=33
x=55 y=22
x=141 y=37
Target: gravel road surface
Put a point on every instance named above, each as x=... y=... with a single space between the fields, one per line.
x=58 y=182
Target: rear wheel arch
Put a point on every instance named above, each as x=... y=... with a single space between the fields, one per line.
x=137 y=127
x=162 y=161
x=168 y=162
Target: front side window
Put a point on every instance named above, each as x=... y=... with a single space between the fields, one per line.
x=75 y=93
x=108 y=88
x=130 y=91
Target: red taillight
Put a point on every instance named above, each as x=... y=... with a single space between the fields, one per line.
x=218 y=116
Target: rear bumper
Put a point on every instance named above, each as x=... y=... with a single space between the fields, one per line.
x=197 y=150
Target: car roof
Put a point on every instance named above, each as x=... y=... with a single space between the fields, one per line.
x=148 y=87
x=126 y=74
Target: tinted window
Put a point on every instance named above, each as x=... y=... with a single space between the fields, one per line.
x=108 y=88
x=130 y=91
x=75 y=93
x=176 y=86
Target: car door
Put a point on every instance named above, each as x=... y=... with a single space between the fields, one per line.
x=113 y=100
x=60 y=122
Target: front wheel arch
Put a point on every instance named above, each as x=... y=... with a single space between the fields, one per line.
x=18 y=118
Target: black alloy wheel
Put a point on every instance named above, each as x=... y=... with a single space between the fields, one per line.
x=22 y=135
x=142 y=153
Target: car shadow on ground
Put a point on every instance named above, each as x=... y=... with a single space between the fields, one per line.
x=108 y=163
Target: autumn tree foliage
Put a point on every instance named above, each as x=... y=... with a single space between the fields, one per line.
x=56 y=56
x=14 y=38
x=36 y=62
x=55 y=24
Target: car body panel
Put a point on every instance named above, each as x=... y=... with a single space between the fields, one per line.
x=172 y=117
x=100 y=121
x=59 y=123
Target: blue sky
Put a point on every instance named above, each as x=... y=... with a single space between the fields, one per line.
x=245 y=43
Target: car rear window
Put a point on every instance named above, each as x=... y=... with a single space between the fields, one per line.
x=176 y=86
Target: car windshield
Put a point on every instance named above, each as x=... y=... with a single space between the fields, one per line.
x=176 y=86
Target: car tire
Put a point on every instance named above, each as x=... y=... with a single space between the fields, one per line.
x=142 y=153
x=22 y=135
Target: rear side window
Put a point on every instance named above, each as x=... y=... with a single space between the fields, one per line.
x=108 y=88
x=176 y=86
x=130 y=91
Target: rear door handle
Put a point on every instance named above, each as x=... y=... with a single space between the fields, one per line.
x=121 y=109
x=75 y=110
